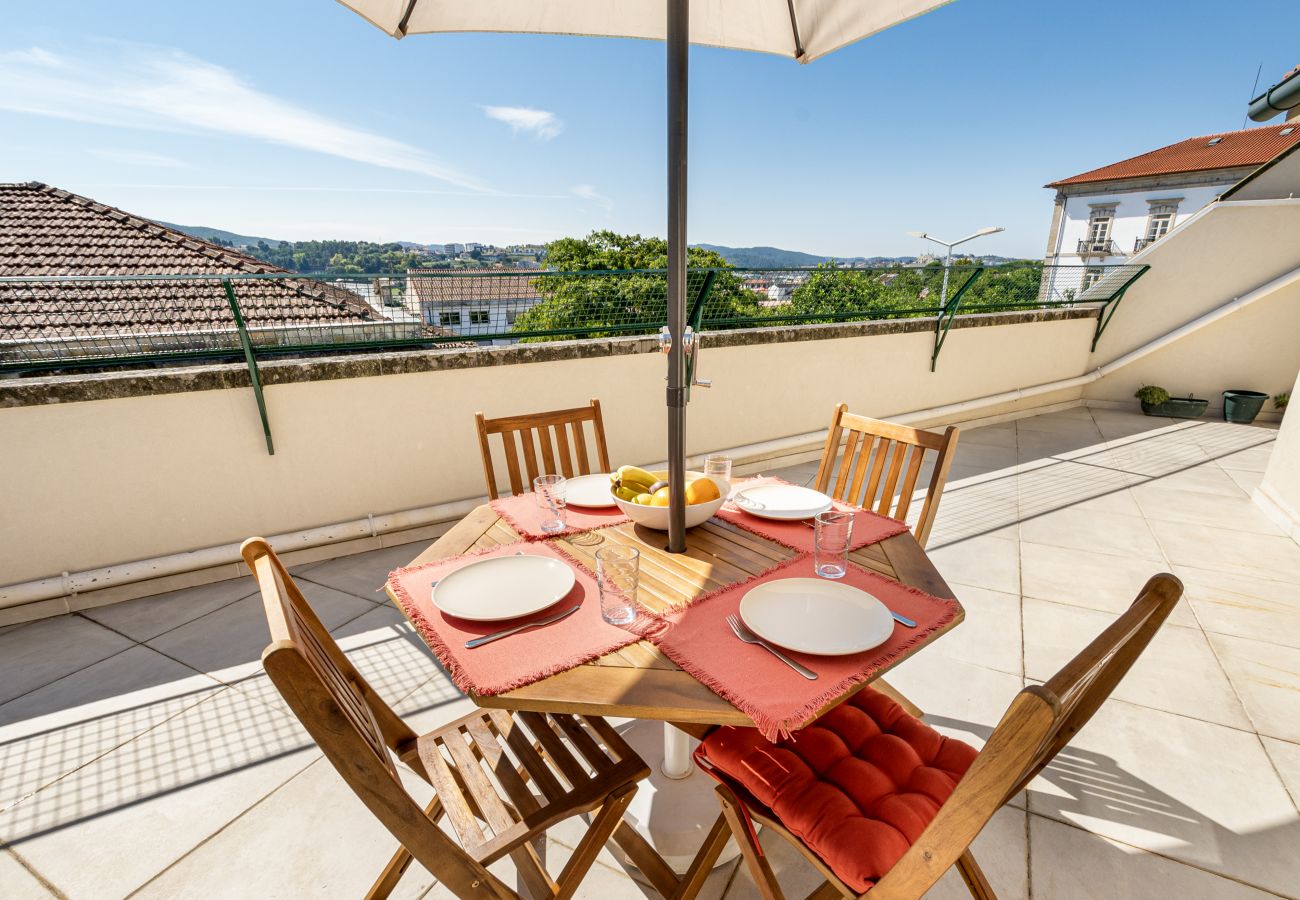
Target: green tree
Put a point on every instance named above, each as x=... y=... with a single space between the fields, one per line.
x=832 y=294
x=633 y=300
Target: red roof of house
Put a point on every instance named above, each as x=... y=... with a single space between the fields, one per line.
x=1230 y=150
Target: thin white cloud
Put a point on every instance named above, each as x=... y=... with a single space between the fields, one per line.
x=139 y=158
x=542 y=125
x=588 y=192
x=160 y=89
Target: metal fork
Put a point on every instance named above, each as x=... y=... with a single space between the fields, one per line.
x=750 y=638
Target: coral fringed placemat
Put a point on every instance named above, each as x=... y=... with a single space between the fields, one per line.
x=522 y=513
x=758 y=684
x=521 y=658
x=868 y=527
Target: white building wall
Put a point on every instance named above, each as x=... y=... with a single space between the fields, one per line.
x=1131 y=214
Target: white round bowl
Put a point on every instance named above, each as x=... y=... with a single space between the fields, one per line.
x=656 y=517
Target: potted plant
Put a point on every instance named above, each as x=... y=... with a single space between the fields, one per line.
x=1157 y=402
x=1281 y=400
x=1241 y=407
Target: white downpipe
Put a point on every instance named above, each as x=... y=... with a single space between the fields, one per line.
x=67 y=584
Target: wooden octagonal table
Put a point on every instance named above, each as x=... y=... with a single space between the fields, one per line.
x=639 y=682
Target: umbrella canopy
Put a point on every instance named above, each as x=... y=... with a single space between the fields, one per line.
x=800 y=29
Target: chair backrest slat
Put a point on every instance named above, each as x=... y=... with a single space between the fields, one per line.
x=885 y=460
x=1038 y=724
x=544 y=452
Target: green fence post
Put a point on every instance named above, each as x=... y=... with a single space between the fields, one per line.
x=253 y=375
x=694 y=319
x=947 y=314
x=1107 y=311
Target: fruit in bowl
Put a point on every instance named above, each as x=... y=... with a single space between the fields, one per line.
x=643 y=496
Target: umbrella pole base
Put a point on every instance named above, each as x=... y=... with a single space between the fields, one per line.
x=673 y=812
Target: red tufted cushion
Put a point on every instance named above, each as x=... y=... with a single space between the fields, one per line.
x=859 y=785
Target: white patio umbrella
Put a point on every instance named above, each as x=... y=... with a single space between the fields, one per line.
x=800 y=29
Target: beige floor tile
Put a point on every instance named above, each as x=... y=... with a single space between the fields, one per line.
x=1093 y=580
x=1206 y=478
x=986 y=457
x=1177 y=505
x=1071 y=864
x=1099 y=532
x=54 y=730
x=1067 y=421
x=18 y=883
x=362 y=574
x=1245 y=479
x=1178 y=672
x=1033 y=445
x=1251 y=459
x=1000 y=435
x=980 y=510
x=228 y=643
x=990 y=634
x=1267 y=677
x=39 y=653
x=1188 y=789
x=1156 y=456
x=148 y=617
x=985 y=561
x=312 y=837
x=1243 y=606
x=112 y=825
x=1285 y=756
x=1236 y=552
x=1063 y=484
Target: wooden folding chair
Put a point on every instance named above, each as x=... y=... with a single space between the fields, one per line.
x=863 y=447
x=565 y=455
x=501 y=779
x=1040 y=721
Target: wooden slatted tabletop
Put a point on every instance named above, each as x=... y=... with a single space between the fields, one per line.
x=638 y=681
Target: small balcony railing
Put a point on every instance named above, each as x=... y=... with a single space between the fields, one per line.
x=1094 y=247
x=1142 y=243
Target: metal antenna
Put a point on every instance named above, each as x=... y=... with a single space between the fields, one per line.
x=1253 y=88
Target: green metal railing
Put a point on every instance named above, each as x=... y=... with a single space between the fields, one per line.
x=61 y=323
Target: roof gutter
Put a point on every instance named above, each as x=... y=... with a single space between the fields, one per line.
x=1281 y=97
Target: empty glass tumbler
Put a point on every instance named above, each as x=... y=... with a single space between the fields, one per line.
x=718 y=466
x=618 y=570
x=833 y=533
x=550 y=491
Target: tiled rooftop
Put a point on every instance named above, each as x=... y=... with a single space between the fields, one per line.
x=143 y=750
x=47 y=231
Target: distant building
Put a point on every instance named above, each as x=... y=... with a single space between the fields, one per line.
x=472 y=303
x=1108 y=214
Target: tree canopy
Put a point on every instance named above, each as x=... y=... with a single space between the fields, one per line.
x=605 y=305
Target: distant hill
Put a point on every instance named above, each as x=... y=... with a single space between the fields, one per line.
x=207 y=233
x=764 y=257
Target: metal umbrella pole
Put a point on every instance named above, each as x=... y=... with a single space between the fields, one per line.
x=678 y=77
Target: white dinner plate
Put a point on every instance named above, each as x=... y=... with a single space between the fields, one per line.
x=588 y=490
x=782 y=501
x=813 y=615
x=505 y=587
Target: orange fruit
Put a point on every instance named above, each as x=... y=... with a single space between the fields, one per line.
x=660 y=497
x=702 y=490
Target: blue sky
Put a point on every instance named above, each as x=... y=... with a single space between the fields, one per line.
x=296 y=119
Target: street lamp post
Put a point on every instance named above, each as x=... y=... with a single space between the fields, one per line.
x=947 y=260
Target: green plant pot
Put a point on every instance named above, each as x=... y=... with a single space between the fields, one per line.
x=1177 y=408
x=1242 y=406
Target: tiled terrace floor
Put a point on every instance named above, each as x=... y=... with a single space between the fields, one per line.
x=142 y=750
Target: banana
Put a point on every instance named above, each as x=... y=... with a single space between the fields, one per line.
x=626 y=493
x=633 y=478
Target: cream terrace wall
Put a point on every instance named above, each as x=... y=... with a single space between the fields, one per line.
x=1230 y=250
x=1279 y=492
x=99 y=482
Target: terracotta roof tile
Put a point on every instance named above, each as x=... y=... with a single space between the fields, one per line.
x=47 y=231
x=1230 y=150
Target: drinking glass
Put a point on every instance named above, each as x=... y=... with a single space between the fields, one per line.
x=550 y=491
x=833 y=532
x=718 y=466
x=617 y=573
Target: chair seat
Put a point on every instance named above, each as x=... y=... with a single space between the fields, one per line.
x=858 y=786
x=501 y=776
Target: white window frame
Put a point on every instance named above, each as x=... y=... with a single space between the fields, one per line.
x=449 y=318
x=480 y=317
x=1162 y=212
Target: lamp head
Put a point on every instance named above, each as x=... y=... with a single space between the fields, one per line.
x=918 y=234
x=992 y=229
